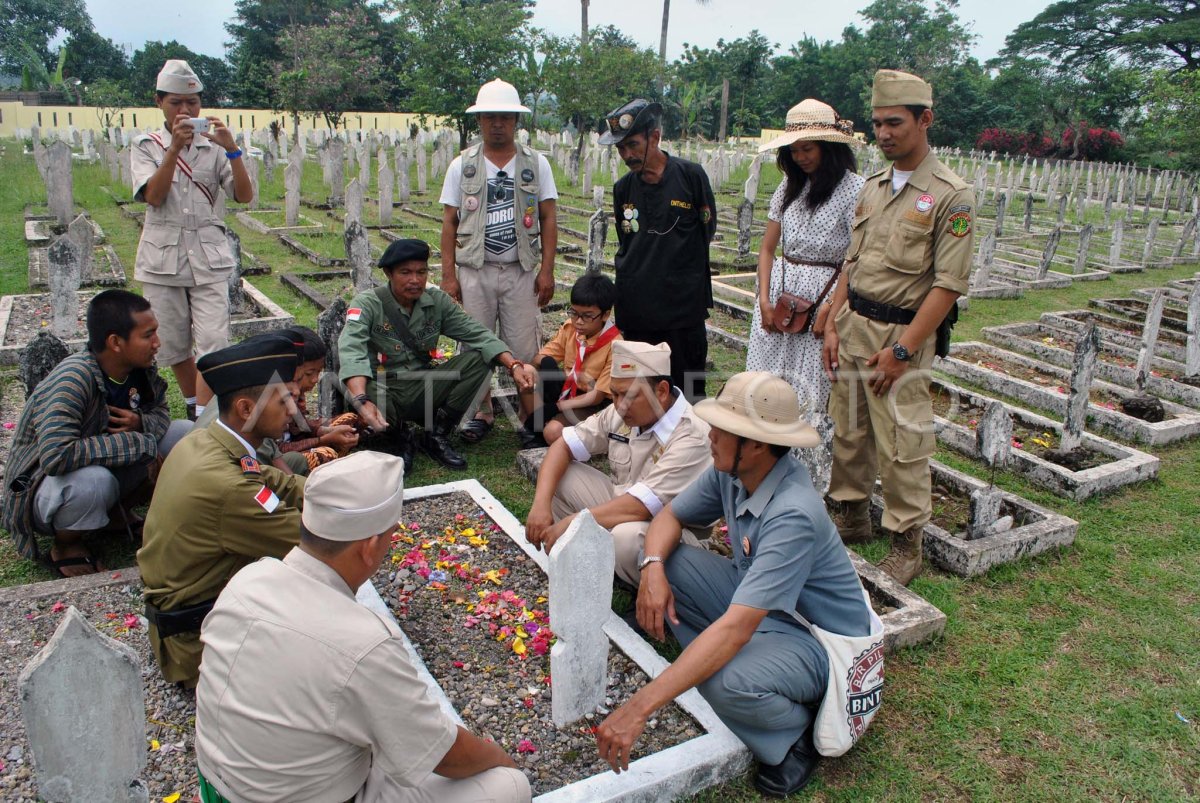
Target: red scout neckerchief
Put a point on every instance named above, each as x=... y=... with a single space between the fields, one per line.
x=606 y=336
x=187 y=170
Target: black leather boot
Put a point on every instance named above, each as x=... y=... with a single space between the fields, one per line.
x=435 y=442
x=793 y=773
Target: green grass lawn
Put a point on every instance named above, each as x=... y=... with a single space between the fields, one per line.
x=1063 y=677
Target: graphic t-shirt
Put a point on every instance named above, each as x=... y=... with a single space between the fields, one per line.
x=500 y=226
x=124 y=395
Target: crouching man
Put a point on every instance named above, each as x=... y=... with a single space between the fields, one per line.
x=306 y=695
x=761 y=671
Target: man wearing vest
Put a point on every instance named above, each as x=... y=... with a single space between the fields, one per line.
x=499 y=232
x=184 y=259
x=908 y=262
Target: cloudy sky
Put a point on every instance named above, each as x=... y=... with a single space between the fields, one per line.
x=200 y=26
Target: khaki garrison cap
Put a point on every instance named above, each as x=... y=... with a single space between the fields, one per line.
x=633 y=359
x=895 y=88
x=354 y=497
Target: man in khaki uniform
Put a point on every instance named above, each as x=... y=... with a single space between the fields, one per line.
x=656 y=446
x=184 y=259
x=306 y=695
x=216 y=508
x=909 y=260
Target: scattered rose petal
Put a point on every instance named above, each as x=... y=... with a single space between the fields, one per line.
x=9 y=425
x=132 y=621
x=58 y=607
x=526 y=746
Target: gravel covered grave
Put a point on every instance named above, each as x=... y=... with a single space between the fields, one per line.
x=31 y=314
x=474 y=605
x=27 y=624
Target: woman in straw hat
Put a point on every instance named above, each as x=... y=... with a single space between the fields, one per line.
x=811 y=213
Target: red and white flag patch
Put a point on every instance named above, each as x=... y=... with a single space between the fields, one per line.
x=353 y=314
x=267 y=498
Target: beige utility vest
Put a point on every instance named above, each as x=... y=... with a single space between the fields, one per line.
x=468 y=247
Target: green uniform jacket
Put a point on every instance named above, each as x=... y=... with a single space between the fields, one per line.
x=368 y=334
x=205 y=524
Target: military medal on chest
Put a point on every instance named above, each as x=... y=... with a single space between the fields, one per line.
x=630 y=222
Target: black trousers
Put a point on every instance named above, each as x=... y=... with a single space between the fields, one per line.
x=689 y=355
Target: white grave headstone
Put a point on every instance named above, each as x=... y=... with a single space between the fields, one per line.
x=1150 y=327
x=1083 y=370
x=63 y=278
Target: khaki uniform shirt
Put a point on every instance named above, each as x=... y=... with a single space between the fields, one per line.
x=302 y=689
x=652 y=465
x=183 y=241
x=368 y=334
x=904 y=245
x=204 y=524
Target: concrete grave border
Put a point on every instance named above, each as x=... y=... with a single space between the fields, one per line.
x=681 y=770
x=964 y=557
x=1171 y=345
x=1026 y=337
x=107 y=269
x=270 y=317
x=1184 y=422
x=1129 y=465
x=247 y=219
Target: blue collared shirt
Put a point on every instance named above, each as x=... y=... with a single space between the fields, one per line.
x=785 y=547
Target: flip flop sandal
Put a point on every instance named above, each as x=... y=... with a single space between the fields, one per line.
x=476 y=430
x=57 y=566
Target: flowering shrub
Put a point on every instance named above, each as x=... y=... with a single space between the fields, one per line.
x=1016 y=143
x=1096 y=143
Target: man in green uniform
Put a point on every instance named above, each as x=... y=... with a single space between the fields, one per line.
x=909 y=260
x=216 y=508
x=386 y=351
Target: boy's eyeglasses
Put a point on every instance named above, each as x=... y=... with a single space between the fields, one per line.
x=583 y=316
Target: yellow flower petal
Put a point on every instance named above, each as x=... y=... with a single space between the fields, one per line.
x=518 y=646
x=154 y=744
x=171 y=798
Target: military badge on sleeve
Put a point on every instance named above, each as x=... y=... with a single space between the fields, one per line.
x=250 y=466
x=959 y=224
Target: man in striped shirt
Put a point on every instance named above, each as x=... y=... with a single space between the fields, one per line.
x=92 y=432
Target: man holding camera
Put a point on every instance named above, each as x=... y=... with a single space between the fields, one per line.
x=184 y=259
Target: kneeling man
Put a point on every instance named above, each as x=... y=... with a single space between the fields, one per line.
x=761 y=671
x=655 y=445
x=306 y=695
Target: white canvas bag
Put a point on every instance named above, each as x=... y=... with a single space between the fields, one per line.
x=855 y=687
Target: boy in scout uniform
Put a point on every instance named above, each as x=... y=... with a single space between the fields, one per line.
x=184 y=259
x=909 y=260
x=762 y=671
x=348 y=717
x=385 y=351
x=216 y=508
x=655 y=446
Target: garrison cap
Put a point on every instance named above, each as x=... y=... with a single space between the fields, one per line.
x=895 y=88
x=633 y=359
x=178 y=78
x=354 y=497
x=404 y=250
x=634 y=117
x=255 y=361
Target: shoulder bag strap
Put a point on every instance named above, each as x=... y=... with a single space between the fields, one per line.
x=384 y=294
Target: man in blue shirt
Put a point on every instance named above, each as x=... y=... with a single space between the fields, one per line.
x=762 y=671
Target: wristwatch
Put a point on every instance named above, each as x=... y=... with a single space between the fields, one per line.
x=646 y=561
x=900 y=353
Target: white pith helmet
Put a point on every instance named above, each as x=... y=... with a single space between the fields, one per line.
x=499 y=97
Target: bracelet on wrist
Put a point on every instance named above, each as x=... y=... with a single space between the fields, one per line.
x=231 y=155
x=361 y=399
x=513 y=366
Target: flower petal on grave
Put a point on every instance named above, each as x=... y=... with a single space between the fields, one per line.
x=155 y=744
x=58 y=607
x=171 y=798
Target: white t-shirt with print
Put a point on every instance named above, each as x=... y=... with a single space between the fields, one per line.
x=500 y=229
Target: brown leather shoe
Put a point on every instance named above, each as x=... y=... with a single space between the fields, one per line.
x=853 y=520
x=903 y=560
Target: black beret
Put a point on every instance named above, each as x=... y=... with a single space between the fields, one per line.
x=255 y=361
x=632 y=118
x=404 y=250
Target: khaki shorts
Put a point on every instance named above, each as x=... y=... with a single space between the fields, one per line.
x=192 y=321
x=503 y=295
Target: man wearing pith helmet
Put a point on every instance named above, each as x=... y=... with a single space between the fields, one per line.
x=184 y=259
x=909 y=260
x=761 y=670
x=499 y=233
x=306 y=695
x=666 y=216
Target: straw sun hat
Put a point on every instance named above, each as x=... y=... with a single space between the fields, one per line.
x=811 y=119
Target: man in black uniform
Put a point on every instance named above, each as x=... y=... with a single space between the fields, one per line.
x=666 y=216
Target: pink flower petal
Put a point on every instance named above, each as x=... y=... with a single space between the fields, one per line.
x=58 y=607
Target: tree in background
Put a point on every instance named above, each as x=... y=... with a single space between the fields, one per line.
x=29 y=25
x=1153 y=33
x=1167 y=137
x=331 y=68
x=588 y=82
x=746 y=64
x=456 y=47
x=109 y=97
x=91 y=57
x=146 y=63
